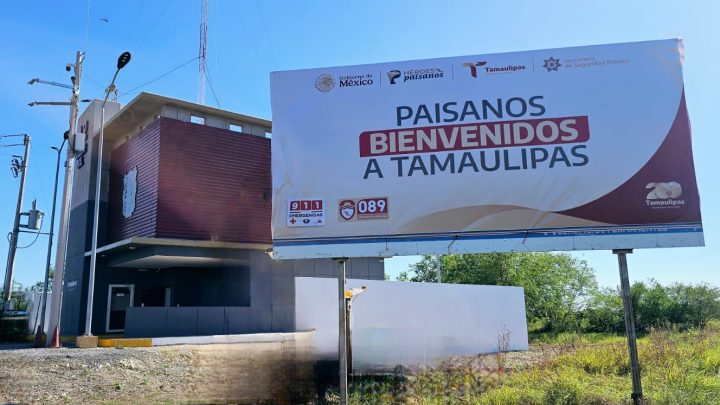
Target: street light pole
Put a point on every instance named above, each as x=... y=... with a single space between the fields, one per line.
x=43 y=300
x=122 y=61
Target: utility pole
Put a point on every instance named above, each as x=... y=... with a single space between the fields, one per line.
x=65 y=207
x=7 y=286
x=43 y=300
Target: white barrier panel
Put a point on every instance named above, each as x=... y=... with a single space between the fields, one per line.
x=411 y=324
x=34 y=310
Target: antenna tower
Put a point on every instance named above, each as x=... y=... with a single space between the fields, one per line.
x=202 y=52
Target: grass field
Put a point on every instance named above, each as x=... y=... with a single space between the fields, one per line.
x=677 y=368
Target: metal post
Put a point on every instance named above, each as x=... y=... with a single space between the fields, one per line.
x=96 y=222
x=7 y=293
x=342 y=328
x=637 y=395
x=348 y=335
x=43 y=300
x=122 y=61
x=54 y=321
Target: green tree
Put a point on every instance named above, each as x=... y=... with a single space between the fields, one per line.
x=40 y=285
x=693 y=305
x=488 y=269
x=604 y=312
x=652 y=306
x=557 y=287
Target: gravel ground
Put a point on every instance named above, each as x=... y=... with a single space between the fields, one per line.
x=233 y=373
x=138 y=375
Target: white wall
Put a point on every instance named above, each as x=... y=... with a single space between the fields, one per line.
x=34 y=310
x=412 y=324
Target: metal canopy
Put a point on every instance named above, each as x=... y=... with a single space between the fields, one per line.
x=165 y=253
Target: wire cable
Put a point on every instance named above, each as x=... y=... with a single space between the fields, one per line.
x=153 y=25
x=85 y=76
x=37 y=235
x=267 y=35
x=212 y=89
x=37 y=174
x=159 y=77
x=87 y=27
x=132 y=28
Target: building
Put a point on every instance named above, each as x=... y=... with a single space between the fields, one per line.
x=184 y=226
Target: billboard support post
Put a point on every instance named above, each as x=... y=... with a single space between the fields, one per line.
x=342 y=330
x=636 y=395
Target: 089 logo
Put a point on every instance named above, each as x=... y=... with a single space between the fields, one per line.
x=363 y=208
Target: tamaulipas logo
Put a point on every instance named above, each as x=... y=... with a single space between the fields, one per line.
x=473 y=67
x=664 y=195
x=489 y=69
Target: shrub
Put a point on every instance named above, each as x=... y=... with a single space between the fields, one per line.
x=680 y=306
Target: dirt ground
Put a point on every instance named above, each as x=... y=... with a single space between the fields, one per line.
x=219 y=374
x=227 y=373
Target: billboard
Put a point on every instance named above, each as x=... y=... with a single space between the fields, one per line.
x=561 y=149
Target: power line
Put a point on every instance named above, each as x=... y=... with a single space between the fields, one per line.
x=87 y=26
x=159 y=77
x=267 y=35
x=212 y=89
x=132 y=28
x=153 y=25
x=37 y=174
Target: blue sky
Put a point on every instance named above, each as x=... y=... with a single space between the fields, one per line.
x=249 y=39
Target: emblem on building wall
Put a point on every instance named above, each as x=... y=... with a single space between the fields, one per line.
x=129 y=192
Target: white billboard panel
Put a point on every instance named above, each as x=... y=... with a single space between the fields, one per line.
x=562 y=149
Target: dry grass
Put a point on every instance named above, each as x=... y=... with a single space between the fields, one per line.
x=677 y=368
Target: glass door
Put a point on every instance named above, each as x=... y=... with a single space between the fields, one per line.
x=120 y=297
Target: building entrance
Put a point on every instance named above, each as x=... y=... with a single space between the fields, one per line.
x=120 y=297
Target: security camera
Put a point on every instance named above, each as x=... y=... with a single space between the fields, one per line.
x=68 y=67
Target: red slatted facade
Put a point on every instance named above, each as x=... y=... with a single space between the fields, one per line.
x=210 y=184
x=143 y=152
